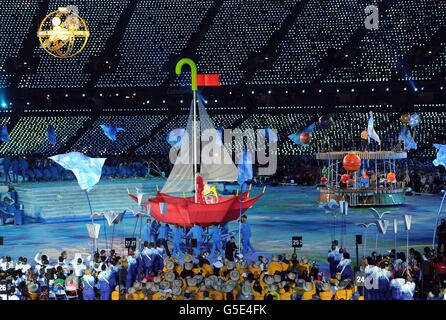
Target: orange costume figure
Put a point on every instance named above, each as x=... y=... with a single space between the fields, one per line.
x=199 y=184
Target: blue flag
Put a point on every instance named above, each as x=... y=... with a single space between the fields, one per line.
x=51 y=135
x=269 y=134
x=295 y=137
x=414 y=120
x=111 y=131
x=441 y=155
x=4 y=135
x=405 y=136
x=175 y=137
x=87 y=170
x=220 y=132
x=245 y=172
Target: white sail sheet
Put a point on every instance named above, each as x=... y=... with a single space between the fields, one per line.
x=181 y=178
x=215 y=162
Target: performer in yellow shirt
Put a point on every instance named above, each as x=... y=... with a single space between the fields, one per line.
x=309 y=291
x=326 y=293
x=274 y=266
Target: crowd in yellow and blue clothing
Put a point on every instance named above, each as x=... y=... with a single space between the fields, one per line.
x=108 y=276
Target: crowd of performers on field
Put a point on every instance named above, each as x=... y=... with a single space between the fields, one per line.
x=155 y=272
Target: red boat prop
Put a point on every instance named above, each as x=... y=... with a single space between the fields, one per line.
x=185 y=212
x=185 y=176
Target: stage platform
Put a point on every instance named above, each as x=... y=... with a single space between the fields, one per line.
x=64 y=200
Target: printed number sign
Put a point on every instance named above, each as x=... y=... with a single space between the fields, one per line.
x=297 y=242
x=130 y=242
x=360 y=279
x=3 y=287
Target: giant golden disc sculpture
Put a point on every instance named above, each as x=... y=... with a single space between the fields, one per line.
x=63 y=33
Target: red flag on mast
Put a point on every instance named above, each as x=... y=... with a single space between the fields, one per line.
x=208 y=80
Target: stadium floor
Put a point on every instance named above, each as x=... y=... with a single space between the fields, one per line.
x=283 y=212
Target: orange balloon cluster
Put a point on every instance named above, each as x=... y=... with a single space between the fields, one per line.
x=305 y=137
x=391 y=177
x=351 y=162
x=345 y=178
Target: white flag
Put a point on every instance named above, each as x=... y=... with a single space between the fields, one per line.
x=407 y=221
x=371 y=130
x=382 y=225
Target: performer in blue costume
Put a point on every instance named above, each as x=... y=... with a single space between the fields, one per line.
x=104 y=283
x=246 y=236
x=132 y=269
x=147 y=236
x=15 y=170
x=23 y=164
x=6 y=168
x=333 y=258
x=163 y=236
x=178 y=234
x=196 y=232
x=216 y=238
x=147 y=258
x=155 y=230
x=88 y=285
x=158 y=254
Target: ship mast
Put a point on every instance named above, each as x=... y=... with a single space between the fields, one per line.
x=194 y=148
x=193 y=69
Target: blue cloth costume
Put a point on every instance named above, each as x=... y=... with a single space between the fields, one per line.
x=88 y=290
x=246 y=238
x=178 y=234
x=6 y=168
x=155 y=229
x=196 y=232
x=163 y=232
x=132 y=271
x=104 y=284
x=15 y=169
x=216 y=238
x=23 y=168
x=158 y=261
x=147 y=236
x=147 y=260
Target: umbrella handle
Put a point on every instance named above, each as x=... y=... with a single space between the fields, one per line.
x=193 y=69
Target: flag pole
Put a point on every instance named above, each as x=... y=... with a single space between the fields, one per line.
x=240 y=218
x=194 y=148
x=436 y=220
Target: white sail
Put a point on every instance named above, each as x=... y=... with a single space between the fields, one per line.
x=181 y=178
x=215 y=161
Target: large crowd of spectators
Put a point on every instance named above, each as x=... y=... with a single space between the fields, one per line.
x=150 y=274
x=420 y=176
x=37 y=169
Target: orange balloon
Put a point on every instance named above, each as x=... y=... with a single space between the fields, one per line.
x=391 y=177
x=364 y=135
x=305 y=137
x=405 y=118
x=351 y=162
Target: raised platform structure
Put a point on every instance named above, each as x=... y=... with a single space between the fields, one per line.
x=375 y=194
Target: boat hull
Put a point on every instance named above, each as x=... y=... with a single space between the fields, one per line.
x=185 y=212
